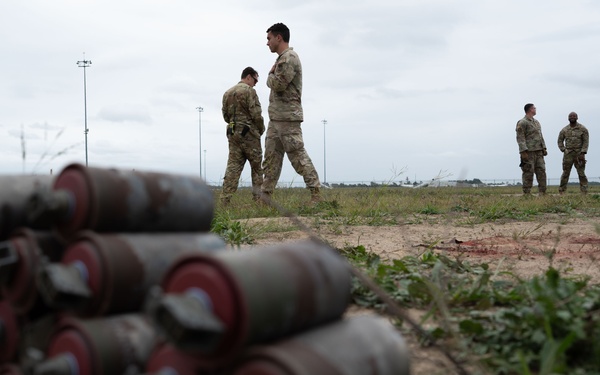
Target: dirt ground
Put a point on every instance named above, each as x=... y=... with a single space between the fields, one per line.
x=520 y=247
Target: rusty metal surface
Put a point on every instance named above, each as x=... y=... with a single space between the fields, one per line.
x=361 y=345
x=31 y=248
x=15 y=192
x=118 y=269
x=262 y=293
x=109 y=345
x=109 y=200
x=9 y=332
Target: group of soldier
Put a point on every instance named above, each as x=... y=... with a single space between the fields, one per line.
x=573 y=142
x=245 y=125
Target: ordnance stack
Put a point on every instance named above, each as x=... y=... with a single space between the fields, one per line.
x=105 y=271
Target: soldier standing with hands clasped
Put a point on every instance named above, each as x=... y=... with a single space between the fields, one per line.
x=245 y=125
x=573 y=141
x=532 y=149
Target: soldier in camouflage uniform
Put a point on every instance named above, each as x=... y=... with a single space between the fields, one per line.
x=573 y=141
x=284 y=134
x=245 y=125
x=532 y=149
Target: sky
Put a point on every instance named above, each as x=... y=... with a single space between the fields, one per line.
x=407 y=88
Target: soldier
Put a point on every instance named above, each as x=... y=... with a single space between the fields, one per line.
x=245 y=125
x=532 y=149
x=284 y=134
x=573 y=141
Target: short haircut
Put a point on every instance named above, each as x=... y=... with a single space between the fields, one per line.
x=280 y=29
x=249 y=70
x=527 y=106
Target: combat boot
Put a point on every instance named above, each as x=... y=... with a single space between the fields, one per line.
x=265 y=198
x=315 y=195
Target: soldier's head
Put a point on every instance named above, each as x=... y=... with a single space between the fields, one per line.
x=250 y=76
x=573 y=118
x=530 y=109
x=278 y=37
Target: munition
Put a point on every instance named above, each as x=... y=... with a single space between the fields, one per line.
x=215 y=305
x=21 y=257
x=111 y=273
x=111 y=200
x=15 y=193
x=107 y=346
x=365 y=344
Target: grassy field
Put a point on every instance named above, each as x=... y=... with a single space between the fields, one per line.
x=476 y=318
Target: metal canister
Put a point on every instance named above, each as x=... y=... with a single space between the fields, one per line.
x=111 y=273
x=216 y=305
x=366 y=344
x=15 y=193
x=168 y=360
x=113 y=200
x=9 y=332
x=10 y=369
x=21 y=257
x=106 y=346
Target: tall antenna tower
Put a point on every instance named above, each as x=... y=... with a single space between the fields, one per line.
x=84 y=64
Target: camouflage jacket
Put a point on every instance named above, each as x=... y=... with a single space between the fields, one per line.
x=574 y=138
x=529 y=135
x=242 y=107
x=285 y=100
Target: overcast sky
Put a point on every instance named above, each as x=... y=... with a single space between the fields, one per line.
x=408 y=88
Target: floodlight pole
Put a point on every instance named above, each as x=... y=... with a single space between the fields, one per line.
x=200 y=110
x=84 y=64
x=324 y=154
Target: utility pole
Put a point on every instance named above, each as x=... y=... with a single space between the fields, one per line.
x=84 y=64
x=200 y=110
x=204 y=165
x=324 y=154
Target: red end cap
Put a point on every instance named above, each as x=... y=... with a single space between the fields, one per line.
x=70 y=341
x=87 y=255
x=9 y=342
x=21 y=291
x=74 y=179
x=207 y=274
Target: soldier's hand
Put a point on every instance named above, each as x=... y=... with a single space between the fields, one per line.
x=545 y=152
x=581 y=157
x=524 y=155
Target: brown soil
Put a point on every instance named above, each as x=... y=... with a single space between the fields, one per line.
x=523 y=248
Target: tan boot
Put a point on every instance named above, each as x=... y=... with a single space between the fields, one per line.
x=265 y=198
x=315 y=195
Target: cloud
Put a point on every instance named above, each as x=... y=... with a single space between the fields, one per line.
x=125 y=113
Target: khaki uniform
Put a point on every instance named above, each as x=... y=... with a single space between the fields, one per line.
x=573 y=141
x=530 y=139
x=284 y=134
x=245 y=125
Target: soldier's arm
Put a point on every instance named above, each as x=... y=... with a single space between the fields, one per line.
x=224 y=109
x=256 y=112
x=521 y=137
x=586 y=141
x=561 y=141
x=282 y=76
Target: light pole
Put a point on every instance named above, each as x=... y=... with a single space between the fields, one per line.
x=84 y=64
x=324 y=154
x=200 y=110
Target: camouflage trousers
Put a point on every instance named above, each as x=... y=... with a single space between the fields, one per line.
x=534 y=165
x=285 y=137
x=242 y=148
x=570 y=159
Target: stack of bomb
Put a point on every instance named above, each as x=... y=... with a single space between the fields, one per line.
x=113 y=272
x=89 y=244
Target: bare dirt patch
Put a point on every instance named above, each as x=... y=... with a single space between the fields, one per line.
x=524 y=248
